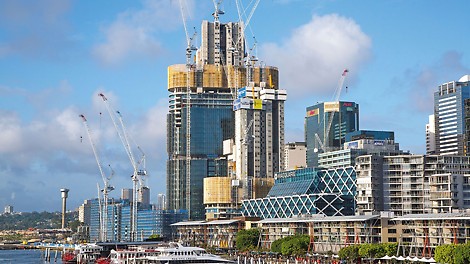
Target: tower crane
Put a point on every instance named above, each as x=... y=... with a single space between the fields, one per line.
x=137 y=173
x=324 y=145
x=245 y=141
x=189 y=49
x=107 y=187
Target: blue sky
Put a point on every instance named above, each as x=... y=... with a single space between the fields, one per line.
x=57 y=55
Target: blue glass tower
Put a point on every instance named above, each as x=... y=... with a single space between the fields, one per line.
x=326 y=126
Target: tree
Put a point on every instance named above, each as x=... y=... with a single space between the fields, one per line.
x=445 y=254
x=295 y=245
x=350 y=253
x=372 y=251
x=276 y=246
x=247 y=239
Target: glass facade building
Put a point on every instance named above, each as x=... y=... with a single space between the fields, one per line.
x=449 y=114
x=307 y=191
x=211 y=122
x=319 y=131
x=150 y=221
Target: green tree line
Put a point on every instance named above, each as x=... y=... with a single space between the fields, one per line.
x=37 y=220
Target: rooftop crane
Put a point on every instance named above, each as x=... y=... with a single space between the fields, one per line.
x=189 y=49
x=137 y=173
x=324 y=145
x=107 y=188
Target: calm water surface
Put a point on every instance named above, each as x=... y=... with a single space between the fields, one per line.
x=26 y=257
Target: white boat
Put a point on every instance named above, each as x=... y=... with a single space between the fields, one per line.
x=88 y=253
x=172 y=253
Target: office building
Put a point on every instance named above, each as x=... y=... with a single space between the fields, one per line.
x=295 y=156
x=359 y=143
x=326 y=125
x=150 y=221
x=449 y=114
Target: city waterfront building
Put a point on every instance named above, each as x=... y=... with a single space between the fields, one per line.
x=150 y=220
x=412 y=184
x=359 y=143
x=201 y=116
x=306 y=191
x=295 y=156
x=416 y=235
x=326 y=125
x=449 y=114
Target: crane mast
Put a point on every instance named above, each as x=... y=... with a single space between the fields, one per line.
x=189 y=49
x=123 y=135
x=107 y=188
x=324 y=145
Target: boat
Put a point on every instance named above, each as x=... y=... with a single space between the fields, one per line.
x=84 y=254
x=171 y=253
x=88 y=253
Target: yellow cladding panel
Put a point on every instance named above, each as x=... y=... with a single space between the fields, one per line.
x=331 y=106
x=257 y=104
x=217 y=190
x=217 y=76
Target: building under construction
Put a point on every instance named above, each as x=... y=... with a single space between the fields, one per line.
x=201 y=115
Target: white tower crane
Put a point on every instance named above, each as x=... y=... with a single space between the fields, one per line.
x=107 y=188
x=189 y=49
x=324 y=145
x=247 y=178
x=137 y=173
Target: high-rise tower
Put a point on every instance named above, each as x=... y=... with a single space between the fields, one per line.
x=326 y=125
x=259 y=134
x=449 y=114
x=200 y=114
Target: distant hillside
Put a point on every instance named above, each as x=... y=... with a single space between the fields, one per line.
x=43 y=220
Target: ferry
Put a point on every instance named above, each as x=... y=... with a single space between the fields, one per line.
x=171 y=253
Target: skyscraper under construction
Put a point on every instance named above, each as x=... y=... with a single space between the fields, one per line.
x=201 y=114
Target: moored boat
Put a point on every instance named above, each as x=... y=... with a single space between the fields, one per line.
x=171 y=253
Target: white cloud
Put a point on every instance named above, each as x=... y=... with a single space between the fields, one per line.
x=312 y=59
x=135 y=33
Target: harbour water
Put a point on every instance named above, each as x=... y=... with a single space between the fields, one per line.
x=27 y=257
